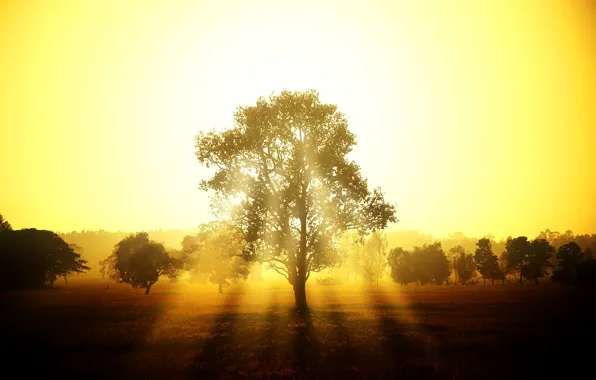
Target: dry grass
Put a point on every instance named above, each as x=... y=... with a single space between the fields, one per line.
x=251 y=331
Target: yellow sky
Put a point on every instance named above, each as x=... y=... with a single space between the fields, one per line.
x=474 y=116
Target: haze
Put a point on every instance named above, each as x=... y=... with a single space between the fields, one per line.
x=472 y=116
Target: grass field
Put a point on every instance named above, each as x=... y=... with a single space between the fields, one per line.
x=181 y=332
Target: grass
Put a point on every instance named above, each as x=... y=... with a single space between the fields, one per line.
x=251 y=331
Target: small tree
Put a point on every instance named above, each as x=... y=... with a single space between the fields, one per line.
x=539 y=259
x=374 y=258
x=139 y=262
x=351 y=249
x=464 y=265
x=4 y=225
x=569 y=256
x=401 y=264
x=431 y=264
x=217 y=254
x=486 y=262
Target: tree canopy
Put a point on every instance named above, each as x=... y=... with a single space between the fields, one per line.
x=4 y=225
x=426 y=265
x=140 y=262
x=31 y=258
x=216 y=252
x=283 y=179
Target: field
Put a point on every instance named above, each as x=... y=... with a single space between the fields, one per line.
x=84 y=330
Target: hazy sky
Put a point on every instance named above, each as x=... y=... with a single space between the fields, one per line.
x=474 y=116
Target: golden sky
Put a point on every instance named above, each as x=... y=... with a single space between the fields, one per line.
x=474 y=116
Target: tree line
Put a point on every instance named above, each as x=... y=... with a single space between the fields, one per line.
x=521 y=259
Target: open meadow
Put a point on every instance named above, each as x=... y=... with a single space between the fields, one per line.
x=84 y=330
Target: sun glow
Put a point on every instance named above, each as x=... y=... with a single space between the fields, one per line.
x=101 y=103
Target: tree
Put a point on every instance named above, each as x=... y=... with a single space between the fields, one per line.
x=4 y=225
x=374 y=258
x=217 y=254
x=529 y=258
x=351 y=249
x=282 y=177
x=463 y=264
x=401 y=264
x=31 y=258
x=139 y=262
x=486 y=262
x=569 y=256
x=431 y=264
x=539 y=259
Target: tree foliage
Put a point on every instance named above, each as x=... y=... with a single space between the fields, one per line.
x=216 y=252
x=425 y=265
x=374 y=258
x=31 y=258
x=283 y=179
x=402 y=266
x=529 y=258
x=486 y=262
x=4 y=225
x=463 y=264
x=139 y=262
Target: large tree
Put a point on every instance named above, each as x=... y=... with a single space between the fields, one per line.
x=140 y=262
x=283 y=170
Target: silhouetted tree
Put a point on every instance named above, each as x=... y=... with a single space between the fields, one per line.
x=402 y=266
x=140 y=262
x=289 y=186
x=486 y=262
x=463 y=264
x=217 y=254
x=574 y=267
x=430 y=264
x=31 y=258
x=529 y=258
x=4 y=225
x=539 y=259
x=374 y=257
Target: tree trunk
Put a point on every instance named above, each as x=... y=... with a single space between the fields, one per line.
x=220 y=290
x=300 y=295
x=300 y=282
x=484 y=279
x=148 y=288
x=65 y=280
x=492 y=281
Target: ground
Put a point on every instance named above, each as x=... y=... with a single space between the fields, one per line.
x=84 y=330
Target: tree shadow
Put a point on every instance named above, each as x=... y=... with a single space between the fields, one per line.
x=78 y=340
x=405 y=354
x=217 y=357
x=344 y=357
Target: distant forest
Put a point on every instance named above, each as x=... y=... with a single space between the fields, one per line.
x=95 y=246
